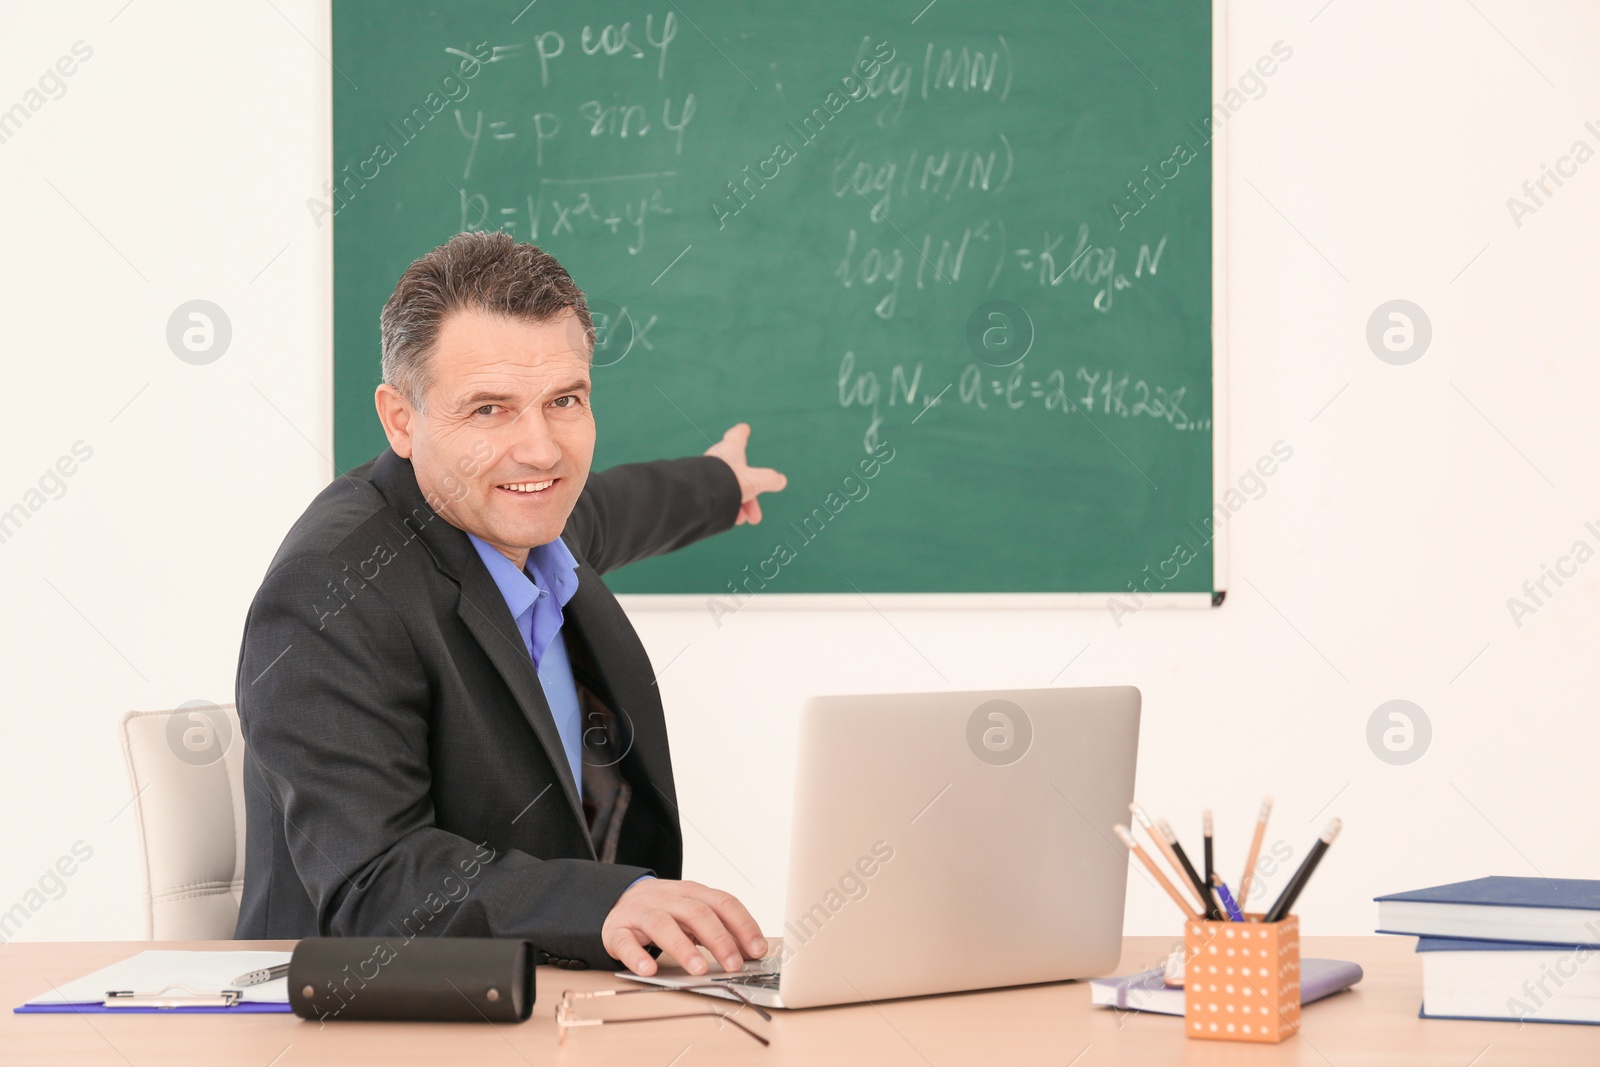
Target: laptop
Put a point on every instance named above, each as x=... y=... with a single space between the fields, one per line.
x=948 y=841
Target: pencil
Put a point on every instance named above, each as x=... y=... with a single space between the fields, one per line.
x=1232 y=907
x=1155 y=872
x=1291 y=892
x=1213 y=912
x=1255 y=852
x=1205 y=829
x=1166 y=849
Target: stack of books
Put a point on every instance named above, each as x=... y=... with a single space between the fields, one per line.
x=1520 y=949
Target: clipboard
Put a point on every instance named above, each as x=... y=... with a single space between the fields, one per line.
x=163 y=980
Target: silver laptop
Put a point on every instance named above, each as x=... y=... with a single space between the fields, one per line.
x=949 y=841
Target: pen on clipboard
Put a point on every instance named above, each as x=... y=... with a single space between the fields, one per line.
x=264 y=974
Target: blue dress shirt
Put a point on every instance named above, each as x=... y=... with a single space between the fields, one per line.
x=536 y=596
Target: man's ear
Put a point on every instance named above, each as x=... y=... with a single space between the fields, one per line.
x=397 y=415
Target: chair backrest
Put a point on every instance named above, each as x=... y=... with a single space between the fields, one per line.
x=187 y=771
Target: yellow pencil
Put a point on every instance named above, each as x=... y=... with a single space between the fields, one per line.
x=1166 y=850
x=1150 y=865
x=1255 y=852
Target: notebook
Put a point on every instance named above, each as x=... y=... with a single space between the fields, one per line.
x=155 y=970
x=1146 y=991
x=1561 y=911
x=1515 y=981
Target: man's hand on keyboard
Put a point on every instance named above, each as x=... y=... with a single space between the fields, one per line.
x=676 y=917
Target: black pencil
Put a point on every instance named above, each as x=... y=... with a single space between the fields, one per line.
x=1291 y=892
x=1213 y=912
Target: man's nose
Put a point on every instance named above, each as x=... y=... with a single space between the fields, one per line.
x=535 y=445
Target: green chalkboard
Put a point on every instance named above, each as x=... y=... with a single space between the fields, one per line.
x=976 y=239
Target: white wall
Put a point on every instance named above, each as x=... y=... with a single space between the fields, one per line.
x=1376 y=566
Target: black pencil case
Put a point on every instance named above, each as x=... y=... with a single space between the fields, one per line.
x=424 y=979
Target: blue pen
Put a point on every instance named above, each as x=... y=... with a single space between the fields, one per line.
x=1234 y=913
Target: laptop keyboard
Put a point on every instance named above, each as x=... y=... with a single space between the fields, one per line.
x=767 y=980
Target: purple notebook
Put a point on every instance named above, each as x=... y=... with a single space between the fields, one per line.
x=1146 y=991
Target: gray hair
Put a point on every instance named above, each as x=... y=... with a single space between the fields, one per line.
x=482 y=271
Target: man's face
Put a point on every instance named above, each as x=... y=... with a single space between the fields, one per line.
x=504 y=446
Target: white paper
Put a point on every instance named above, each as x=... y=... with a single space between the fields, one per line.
x=153 y=970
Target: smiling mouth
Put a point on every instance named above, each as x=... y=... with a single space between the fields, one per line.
x=528 y=489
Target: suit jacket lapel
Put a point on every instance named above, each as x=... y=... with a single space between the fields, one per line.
x=483 y=610
x=594 y=620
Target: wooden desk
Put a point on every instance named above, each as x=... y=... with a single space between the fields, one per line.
x=1374 y=1024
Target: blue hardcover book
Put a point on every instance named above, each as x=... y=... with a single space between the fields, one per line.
x=1517 y=981
x=1554 y=911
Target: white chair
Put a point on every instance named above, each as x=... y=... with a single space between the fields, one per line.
x=188 y=787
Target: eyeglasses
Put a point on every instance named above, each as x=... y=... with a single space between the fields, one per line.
x=566 y=1011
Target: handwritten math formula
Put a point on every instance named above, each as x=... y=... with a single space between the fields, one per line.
x=1082 y=391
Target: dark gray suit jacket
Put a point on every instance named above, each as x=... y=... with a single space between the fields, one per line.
x=403 y=772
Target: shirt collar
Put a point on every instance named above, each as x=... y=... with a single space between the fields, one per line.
x=550 y=567
x=555 y=568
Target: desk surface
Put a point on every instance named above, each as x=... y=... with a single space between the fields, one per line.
x=1376 y=1023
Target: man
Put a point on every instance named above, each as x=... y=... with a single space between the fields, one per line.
x=451 y=727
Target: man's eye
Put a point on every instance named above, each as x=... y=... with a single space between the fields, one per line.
x=486 y=409
x=565 y=401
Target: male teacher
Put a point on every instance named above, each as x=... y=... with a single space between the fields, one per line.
x=451 y=727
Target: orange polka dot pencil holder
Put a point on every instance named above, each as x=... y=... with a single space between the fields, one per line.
x=1241 y=980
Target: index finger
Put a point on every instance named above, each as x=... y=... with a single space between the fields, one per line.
x=738 y=921
x=734 y=441
x=766 y=479
x=632 y=954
